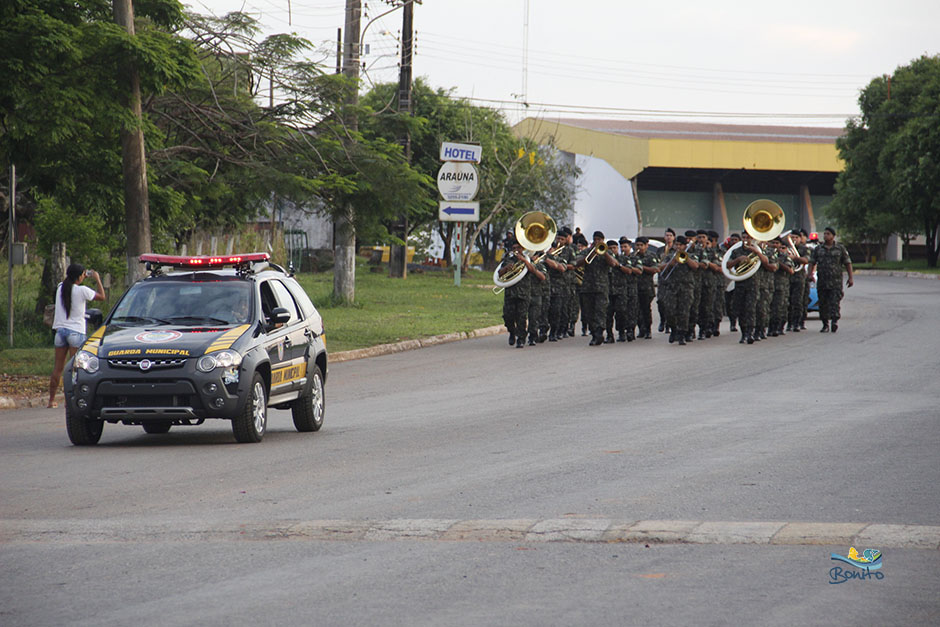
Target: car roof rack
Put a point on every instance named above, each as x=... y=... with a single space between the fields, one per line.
x=244 y=263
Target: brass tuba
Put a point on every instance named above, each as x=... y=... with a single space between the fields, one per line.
x=535 y=231
x=763 y=220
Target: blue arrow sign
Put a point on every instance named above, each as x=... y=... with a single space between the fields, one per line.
x=451 y=211
x=456 y=211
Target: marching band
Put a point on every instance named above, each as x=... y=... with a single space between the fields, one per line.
x=760 y=279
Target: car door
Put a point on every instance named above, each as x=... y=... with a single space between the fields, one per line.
x=286 y=344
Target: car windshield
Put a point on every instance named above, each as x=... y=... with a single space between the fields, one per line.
x=187 y=303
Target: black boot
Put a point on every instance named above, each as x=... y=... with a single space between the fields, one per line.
x=512 y=339
x=715 y=331
x=773 y=332
x=520 y=343
x=682 y=337
x=610 y=337
x=551 y=337
x=750 y=337
x=542 y=337
x=596 y=340
x=734 y=327
x=622 y=336
x=743 y=337
x=672 y=337
x=662 y=326
x=631 y=335
x=532 y=340
x=825 y=328
x=835 y=326
x=583 y=331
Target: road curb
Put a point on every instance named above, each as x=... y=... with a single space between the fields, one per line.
x=408 y=345
x=569 y=530
x=898 y=273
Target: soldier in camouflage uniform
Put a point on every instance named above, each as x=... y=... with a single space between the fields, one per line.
x=517 y=297
x=765 y=291
x=781 y=299
x=694 y=249
x=746 y=291
x=730 y=307
x=558 y=278
x=677 y=275
x=670 y=238
x=630 y=260
x=538 y=305
x=797 y=282
x=616 y=294
x=830 y=256
x=718 y=283
x=645 y=290
x=595 y=287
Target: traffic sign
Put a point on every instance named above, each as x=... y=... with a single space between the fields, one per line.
x=459 y=211
x=458 y=181
x=461 y=152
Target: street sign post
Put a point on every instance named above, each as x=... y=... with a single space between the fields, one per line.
x=458 y=182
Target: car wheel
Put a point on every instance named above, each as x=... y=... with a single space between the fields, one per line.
x=82 y=431
x=307 y=410
x=156 y=427
x=249 y=426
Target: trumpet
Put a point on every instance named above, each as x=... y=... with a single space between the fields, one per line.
x=794 y=253
x=598 y=250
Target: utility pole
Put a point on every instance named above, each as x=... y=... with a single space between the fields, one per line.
x=136 y=199
x=344 y=245
x=398 y=254
x=10 y=250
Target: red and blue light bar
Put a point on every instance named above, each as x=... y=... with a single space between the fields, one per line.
x=213 y=261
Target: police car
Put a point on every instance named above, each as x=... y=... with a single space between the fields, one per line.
x=222 y=337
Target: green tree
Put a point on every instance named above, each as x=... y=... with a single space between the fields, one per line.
x=891 y=181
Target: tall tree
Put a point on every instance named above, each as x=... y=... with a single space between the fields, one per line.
x=891 y=181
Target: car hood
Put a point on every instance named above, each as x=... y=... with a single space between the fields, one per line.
x=161 y=342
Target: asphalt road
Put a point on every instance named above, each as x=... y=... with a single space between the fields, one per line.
x=189 y=528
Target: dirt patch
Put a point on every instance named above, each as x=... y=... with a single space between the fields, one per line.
x=24 y=386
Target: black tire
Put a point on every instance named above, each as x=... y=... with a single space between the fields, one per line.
x=82 y=431
x=250 y=425
x=157 y=427
x=308 y=410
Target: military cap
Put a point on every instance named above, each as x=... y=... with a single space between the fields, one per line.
x=598 y=234
x=690 y=233
x=669 y=230
x=642 y=240
x=682 y=240
x=830 y=229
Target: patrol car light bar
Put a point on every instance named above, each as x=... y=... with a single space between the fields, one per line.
x=178 y=261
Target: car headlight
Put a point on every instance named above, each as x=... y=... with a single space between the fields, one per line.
x=221 y=359
x=86 y=361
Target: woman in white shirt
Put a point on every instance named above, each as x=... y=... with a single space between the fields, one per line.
x=69 y=321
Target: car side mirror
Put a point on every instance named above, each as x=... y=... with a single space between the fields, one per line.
x=279 y=316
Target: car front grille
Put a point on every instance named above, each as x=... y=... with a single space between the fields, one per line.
x=154 y=363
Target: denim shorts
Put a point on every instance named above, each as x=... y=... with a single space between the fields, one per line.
x=68 y=337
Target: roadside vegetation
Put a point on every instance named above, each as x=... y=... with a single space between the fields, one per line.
x=387 y=310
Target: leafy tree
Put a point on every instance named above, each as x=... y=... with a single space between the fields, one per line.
x=511 y=182
x=891 y=181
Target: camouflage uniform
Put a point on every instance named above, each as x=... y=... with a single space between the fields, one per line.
x=678 y=299
x=538 y=304
x=594 y=293
x=706 y=307
x=630 y=315
x=781 y=299
x=745 y=298
x=829 y=263
x=765 y=294
x=617 y=298
x=695 y=252
x=516 y=300
x=558 y=287
x=645 y=291
x=797 y=284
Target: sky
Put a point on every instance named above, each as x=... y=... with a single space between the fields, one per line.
x=797 y=63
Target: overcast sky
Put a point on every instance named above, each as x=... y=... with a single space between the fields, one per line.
x=803 y=60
